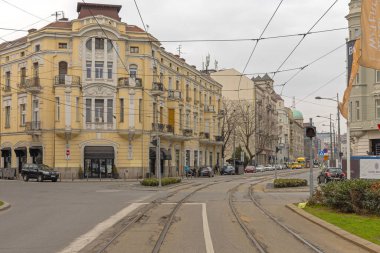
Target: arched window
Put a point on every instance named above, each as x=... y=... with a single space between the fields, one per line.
x=133 y=70
x=62 y=71
x=89 y=44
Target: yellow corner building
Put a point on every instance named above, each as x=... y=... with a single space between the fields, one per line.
x=91 y=95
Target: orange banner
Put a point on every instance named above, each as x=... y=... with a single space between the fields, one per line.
x=343 y=106
x=370 y=25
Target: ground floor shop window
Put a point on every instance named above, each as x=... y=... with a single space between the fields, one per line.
x=98 y=161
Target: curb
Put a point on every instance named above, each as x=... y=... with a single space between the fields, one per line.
x=5 y=206
x=367 y=245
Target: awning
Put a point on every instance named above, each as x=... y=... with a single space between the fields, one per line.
x=20 y=151
x=164 y=155
x=96 y=152
x=35 y=150
x=5 y=152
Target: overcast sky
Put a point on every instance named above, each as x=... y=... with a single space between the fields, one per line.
x=238 y=19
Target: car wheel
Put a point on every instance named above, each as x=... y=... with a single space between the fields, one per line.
x=40 y=178
x=54 y=180
x=318 y=180
x=26 y=178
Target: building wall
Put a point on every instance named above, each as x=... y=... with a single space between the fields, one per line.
x=364 y=97
x=66 y=120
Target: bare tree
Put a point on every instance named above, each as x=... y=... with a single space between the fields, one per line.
x=246 y=127
x=228 y=124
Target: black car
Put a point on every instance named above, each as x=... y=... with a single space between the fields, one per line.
x=228 y=170
x=40 y=172
x=330 y=174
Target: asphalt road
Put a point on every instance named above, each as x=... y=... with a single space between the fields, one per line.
x=46 y=217
x=49 y=217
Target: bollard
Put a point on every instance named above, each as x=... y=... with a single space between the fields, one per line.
x=72 y=177
x=124 y=176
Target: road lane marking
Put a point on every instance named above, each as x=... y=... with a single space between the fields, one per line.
x=91 y=235
x=206 y=230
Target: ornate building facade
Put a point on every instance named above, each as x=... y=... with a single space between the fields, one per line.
x=92 y=92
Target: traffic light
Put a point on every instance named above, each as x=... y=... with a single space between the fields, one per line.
x=311 y=132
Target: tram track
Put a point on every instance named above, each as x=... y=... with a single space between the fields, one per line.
x=150 y=207
x=170 y=217
x=259 y=245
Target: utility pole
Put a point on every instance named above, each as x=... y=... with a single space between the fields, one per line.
x=339 y=140
x=348 y=145
x=331 y=148
x=158 y=160
x=234 y=144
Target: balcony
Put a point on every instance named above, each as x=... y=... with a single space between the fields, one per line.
x=187 y=132
x=162 y=128
x=219 y=138
x=209 y=108
x=100 y=125
x=175 y=94
x=221 y=113
x=204 y=135
x=157 y=89
x=33 y=84
x=129 y=82
x=33 y=127
x=66 y=80
x=7 y=88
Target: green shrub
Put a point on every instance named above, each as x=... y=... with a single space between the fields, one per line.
x=350 y=196
x=164 y=181
x=289 y=182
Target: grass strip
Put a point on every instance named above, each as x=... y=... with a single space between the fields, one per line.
x=366 y=227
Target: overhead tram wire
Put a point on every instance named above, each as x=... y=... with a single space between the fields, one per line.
x=307 y=65
x=23 y=10
x=320 y=87
x=255 y=46
x=299 y=43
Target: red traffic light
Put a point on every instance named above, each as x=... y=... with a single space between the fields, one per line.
x=67 y=152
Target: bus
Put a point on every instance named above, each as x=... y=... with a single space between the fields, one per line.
x=302 y=161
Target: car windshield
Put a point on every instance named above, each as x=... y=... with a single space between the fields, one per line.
x=335 y=170
x=45 y=167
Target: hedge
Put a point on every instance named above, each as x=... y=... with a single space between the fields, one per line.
x=164 y=181
x=359 y=196
x=289 y=182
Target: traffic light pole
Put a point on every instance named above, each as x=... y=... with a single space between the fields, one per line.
x=311 y=183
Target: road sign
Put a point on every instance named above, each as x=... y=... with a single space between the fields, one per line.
x=67 y=153
x=325 y=158
x=321 y=152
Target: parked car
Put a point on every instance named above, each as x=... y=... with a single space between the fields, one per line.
x=40 y=172
x=269 y=167
x=250 y=169
x=330 y=174
x=228 y=170
x=206 y=171
x=260 y=168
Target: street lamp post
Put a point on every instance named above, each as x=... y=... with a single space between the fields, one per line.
x=338 y=115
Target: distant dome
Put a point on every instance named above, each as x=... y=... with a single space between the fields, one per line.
x=297 y=115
